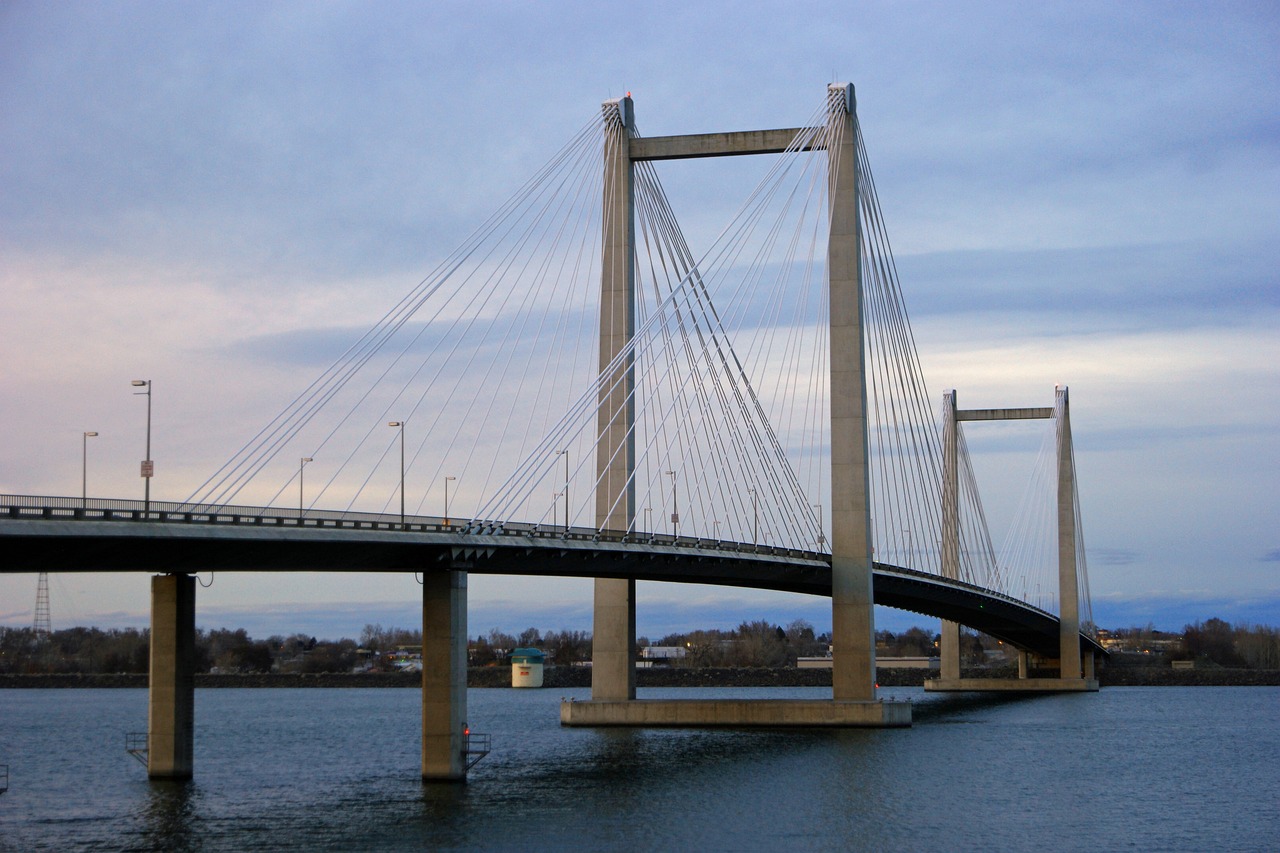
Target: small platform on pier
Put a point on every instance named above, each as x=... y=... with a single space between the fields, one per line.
x=736 y=713
x=1011 y=685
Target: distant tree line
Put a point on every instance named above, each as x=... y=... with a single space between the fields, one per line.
x=1240 y=645
x=94 y=650
x=752 y=644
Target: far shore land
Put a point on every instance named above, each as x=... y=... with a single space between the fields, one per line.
x=575 y=676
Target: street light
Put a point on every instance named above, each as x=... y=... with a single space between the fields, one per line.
x=302 y=463
x=907 y=530
x=148 y=466
x=755 y=519
x=648 y=520
x=822 y=537
x=675 y=512
x=400 y=425
x=84 y=469
x=565 y=453
x=446 y=499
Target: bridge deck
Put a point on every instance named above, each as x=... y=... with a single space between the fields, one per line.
x=118 y=538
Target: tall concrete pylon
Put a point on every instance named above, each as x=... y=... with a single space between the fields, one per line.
x=614 y=633
x=853 y=675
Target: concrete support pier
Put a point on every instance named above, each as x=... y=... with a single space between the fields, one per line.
x=171 y=692
x=444 y=676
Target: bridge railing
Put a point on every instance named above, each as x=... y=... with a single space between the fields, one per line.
x=109 y=509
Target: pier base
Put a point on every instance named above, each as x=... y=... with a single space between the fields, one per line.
x=736 y=713
x=1011 y=685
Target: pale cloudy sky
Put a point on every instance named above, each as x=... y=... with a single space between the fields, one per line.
x=1086 y=193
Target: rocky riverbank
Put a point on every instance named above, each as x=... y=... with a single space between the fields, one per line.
x=576 y=676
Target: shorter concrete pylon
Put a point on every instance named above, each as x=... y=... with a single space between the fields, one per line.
x=1075 y=669
x=171 y=682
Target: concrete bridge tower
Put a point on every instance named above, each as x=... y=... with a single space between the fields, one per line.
x=613 y=669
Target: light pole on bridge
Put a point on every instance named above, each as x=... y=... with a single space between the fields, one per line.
x=822 y=536
x=675 y=511
x=84 y=468
x=446 y=499
x=302 y=463
x=148 y=466
x=565 y=453
x=755 y=519
x=400 y=425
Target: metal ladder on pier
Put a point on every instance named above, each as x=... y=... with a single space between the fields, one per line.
x=4 y=778
x=135 y=743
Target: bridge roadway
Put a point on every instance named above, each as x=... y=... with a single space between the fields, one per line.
x=59 y=535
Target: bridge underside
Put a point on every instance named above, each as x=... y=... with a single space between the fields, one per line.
x=162 y=548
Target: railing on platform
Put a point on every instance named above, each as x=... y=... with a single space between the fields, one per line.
x=135 y=743
x=475 y=746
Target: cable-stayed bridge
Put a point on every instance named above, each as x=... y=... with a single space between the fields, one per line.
x=597 y=400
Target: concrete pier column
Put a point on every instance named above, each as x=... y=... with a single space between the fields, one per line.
x=1068 y=583
x=1089 y=663
x=171 y=688
x=853 y=674
x=612 y=664
x=444 y=675
x=1022 y=664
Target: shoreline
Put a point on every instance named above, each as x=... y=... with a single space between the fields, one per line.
x=574 y=677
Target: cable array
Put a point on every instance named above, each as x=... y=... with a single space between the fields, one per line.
x=489 y=369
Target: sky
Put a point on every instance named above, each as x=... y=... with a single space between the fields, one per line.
x=1083 y=193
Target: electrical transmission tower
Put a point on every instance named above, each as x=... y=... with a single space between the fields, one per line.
x=42 y=626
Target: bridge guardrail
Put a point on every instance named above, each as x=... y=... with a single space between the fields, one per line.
x=106 y=509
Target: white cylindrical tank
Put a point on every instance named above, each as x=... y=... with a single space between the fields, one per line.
x=526 y=667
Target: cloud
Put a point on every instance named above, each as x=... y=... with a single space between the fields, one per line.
x=1272 y=556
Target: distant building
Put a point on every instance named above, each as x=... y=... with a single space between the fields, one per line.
x=665 y=653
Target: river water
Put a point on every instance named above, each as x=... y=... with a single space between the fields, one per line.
x=1128 y=768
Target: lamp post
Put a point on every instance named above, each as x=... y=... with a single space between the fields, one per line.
x=446 y=499
x=84 y=468
x=716 y=525
x=302 y=463
x=822 y=536
x=400 y=425
x=148 y=467
x=648 y=520
x=675 y=511
x=565 y=453
x=907 y=530
x=755 y=519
